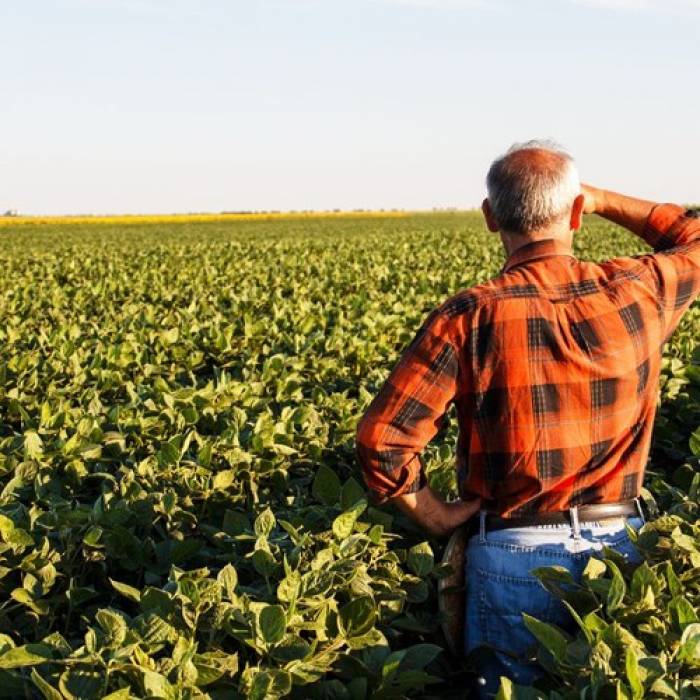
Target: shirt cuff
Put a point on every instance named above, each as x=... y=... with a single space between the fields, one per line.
x=663 y=226
x=412 y=480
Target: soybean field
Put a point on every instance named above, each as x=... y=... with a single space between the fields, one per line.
x=181 y=511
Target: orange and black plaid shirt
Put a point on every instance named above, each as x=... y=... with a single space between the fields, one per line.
x=553 y=367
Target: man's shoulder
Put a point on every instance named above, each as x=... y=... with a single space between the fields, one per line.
x=590 y=278
x=503 y=286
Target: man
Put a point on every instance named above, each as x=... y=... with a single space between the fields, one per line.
x=553 y=367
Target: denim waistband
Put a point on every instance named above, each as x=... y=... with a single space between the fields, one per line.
x=574 y=526
x=557 y=533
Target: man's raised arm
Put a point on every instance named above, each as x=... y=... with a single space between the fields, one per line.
x=674 y=234
x=404 y=416
x=629 y=212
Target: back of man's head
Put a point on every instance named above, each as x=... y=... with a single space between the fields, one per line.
x=532 y=186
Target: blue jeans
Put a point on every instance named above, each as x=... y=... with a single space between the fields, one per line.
x=500 y=587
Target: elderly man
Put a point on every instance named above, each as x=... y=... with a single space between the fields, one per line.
x=553 y=367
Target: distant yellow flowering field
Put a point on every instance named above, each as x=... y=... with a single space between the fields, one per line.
x=194 y=218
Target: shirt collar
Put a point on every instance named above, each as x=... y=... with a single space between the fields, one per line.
x=544 y=248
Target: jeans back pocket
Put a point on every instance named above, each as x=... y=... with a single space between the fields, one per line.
x=502 y=602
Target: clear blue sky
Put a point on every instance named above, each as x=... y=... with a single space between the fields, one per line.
x=183 y=105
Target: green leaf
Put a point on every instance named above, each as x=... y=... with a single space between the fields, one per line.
x=33 y=445
x=156 y=600
x=157 y=685
x=644 y=578
x=153 y=629
x=288 y=588
x=420 y=559
x=26 y=655
x=357 y=617
x=587 y=633
x=224 y=479
x=19 y=539
x=121 y=694
x=419 y=656
x=272 y=683
x=506 y=690
x=81 y=684
x=21 y=595
x=272 y=624
x=264 y=523
x=235 y=522
x=633 y=676
x=282 y=449
x=685 y=542
x=594 y=569
x=682 y=612
x=93 y=536
x=91 y=451
x=264 y=562
x=675 y=587
x=344 y=524
x=510 y=691
x=326 y=486
x=694 y=442
x=169 y=336
x=228 y=580
x=206 y=673
x=617 y=590
x=689 y=651
x=291 y=648
x=113 y=624
x=357 y=688
x=204 y=454
x=549 y=636
x=351 y=493
x=7 y=528
x=127 y=591
x=554 y=574
x=46 y=689
x=169 y=453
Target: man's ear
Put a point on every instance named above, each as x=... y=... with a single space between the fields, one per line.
x=577 y=212
x=488 y=215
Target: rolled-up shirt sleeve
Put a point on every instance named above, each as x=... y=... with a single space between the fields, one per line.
x=408 y=411
x=674 y=267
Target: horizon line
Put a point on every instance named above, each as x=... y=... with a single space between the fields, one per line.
x=11 y=217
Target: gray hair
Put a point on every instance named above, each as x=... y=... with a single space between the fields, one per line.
x=527 y=195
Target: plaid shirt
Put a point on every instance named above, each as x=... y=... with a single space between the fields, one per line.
x=553 y=367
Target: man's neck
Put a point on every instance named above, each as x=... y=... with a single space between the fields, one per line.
x=514 y=241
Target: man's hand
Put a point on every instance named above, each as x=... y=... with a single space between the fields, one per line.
x=593 y=197
x=433 y=514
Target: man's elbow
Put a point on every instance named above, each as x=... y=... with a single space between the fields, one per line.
x=366 y=435
x=367 y=447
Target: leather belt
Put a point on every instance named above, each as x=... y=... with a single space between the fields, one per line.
x=586 y=513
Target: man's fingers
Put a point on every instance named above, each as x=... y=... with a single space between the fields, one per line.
x=471 y=507
x=589 y=193
x=461 y=511
x=432 y=513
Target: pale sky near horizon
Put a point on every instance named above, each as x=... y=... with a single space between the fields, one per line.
x=127 y=106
